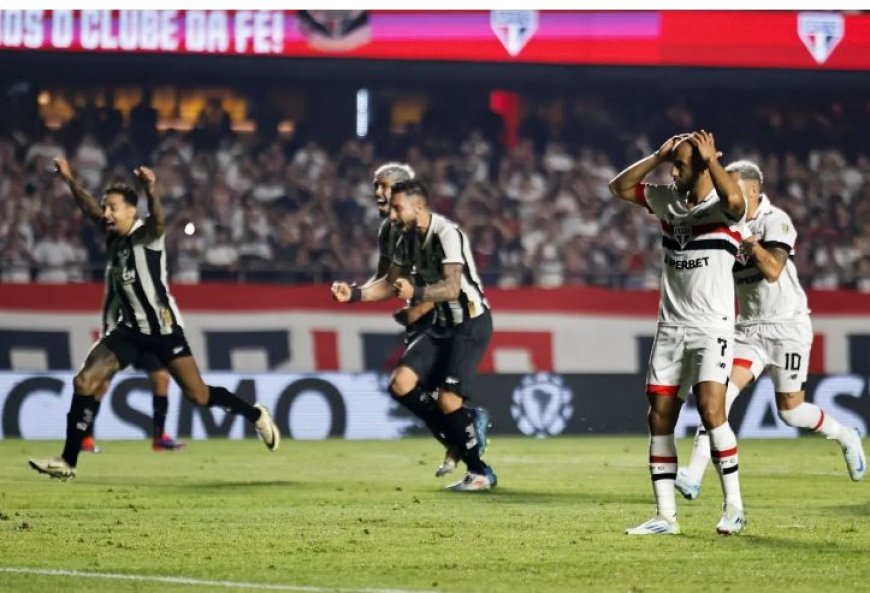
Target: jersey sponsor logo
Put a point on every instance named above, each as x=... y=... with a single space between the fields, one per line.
x=542 y=405
x=821 y=32
x=514 y=28
x=687 y=264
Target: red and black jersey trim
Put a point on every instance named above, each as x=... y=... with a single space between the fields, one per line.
x=640 y=195
x=705 y=229
x=722 y=244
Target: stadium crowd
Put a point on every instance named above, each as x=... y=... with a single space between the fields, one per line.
x=262 y=208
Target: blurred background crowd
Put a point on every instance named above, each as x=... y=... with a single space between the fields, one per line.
x=264 y=203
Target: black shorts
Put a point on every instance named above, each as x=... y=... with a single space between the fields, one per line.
x=448 y=358
x=412 y=330
x=147 y=361
x=145 y=352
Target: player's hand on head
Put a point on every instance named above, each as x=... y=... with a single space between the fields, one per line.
x=665 y=150
x=341 y=292
x=61 y=167
x=705 y=144
x=403 y=289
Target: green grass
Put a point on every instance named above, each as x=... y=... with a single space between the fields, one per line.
x=355 y=515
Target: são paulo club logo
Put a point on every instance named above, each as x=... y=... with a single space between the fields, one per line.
x=542 y=405
x=514 y=28
x=821 y=32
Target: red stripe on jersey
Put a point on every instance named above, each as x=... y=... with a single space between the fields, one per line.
x=742 y=362
x=640 y=195
x=821 y=420
x=705 y=229
x=657 y=459
x=666 y=390
x=725 y=453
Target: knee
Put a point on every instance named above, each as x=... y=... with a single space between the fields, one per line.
x=712 y=412
x=198 y=395
x=86 y=382
x=659 y=421
x=402 y=383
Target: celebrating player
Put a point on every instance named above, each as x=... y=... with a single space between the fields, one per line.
x=447 y=353
x=149 y=320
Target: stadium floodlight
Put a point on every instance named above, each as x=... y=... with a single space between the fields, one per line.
x=362 y=113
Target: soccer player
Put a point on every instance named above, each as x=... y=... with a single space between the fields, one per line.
x=149 y=320
x=699 y=215
x=773 y=331
x=415 y=316
x=447 y=353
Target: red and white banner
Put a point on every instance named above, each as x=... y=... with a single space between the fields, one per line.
x=253 y=328
x=756 y=39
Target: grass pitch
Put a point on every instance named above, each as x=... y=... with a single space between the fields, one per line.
x=365 y=516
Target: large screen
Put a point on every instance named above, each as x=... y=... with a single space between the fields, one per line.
x=782 y=39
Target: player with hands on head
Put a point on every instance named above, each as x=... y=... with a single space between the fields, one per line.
x=700 y=214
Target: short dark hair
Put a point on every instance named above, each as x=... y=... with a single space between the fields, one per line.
x=128 y=193
x=411 y=187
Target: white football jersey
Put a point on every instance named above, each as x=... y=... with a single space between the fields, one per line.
x=759 y=299
x=699 y=246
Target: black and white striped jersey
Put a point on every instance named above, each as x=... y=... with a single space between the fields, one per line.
x=388 y=236
x=137 y=288
x=444 y=243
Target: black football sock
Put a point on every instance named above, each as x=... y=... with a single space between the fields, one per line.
x=219 y=397
x=160 y=405
x=90 y=431
x=426 y=409
x=460 y=425
x=79 y=418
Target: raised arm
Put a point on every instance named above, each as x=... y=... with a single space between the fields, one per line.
x=624 y=185
x=86 y=202
x=733 y=202
x=155 y=224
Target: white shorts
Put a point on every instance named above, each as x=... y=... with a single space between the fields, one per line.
x=684 y=356
x=784 y=347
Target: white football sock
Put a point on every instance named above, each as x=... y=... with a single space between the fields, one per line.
x=663 y=472
x=723 y=444
x=811 y=416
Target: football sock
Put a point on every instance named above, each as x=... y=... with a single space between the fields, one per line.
x=460 y=431
x=723 y=444
x=426 y=409
x=663 y=472
x=90 y=431
x=160 y=405
x=220 y=397
x=811 y=416
x=79 y=418
x=701 y=447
